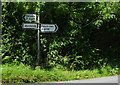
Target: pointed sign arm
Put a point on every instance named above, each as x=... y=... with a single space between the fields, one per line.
x=56 y=27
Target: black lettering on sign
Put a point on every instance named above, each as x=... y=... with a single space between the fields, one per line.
x=51 y=26
x=26 y=25
x=31 y=18
x=30 y=25
x=46 y=28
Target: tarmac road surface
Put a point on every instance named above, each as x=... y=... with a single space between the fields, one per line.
x=111 y=79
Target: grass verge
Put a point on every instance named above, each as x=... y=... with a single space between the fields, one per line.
x=24 y=74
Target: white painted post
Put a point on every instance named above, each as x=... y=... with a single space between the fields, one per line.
x=38 y=56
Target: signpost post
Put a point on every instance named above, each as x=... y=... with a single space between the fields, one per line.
x=38 y=56
x=44 y=28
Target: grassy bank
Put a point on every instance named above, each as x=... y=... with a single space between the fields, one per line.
x=24 y=74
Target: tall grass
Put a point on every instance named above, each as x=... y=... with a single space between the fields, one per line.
x=24 y=74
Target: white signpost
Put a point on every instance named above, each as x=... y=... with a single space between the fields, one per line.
x=45 y=28
x=49 y=28
x=30 y=17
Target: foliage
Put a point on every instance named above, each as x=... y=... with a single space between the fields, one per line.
x=24 y=74
x=17 y=43
x=88 y=34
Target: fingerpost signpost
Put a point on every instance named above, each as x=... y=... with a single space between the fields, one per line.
x=32 y=21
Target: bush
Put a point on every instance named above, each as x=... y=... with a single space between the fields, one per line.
x=25 y=74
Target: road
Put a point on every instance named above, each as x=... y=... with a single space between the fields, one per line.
x=111 y=79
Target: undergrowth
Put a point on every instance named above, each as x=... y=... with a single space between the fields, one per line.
x=25 y=74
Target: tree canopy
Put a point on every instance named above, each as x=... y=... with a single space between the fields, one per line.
x=88 y=34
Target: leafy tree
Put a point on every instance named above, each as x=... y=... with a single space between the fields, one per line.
x=88 y=34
